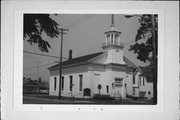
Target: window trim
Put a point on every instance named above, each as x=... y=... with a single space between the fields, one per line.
x=80 y=79
x=107 y=89
x=55 y=83
x=134 y=91
x=70 y=87
x=134 y=80
x=62 y=83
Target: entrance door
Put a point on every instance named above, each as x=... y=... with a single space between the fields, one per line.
x=118 y=86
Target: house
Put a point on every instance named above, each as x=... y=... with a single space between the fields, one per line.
x=30 y=86
x=108 y=72
x=33 y=86
x=143 y=83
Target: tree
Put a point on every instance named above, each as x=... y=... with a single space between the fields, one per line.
x=144 y=33
x=37 y=24
x=148 y=31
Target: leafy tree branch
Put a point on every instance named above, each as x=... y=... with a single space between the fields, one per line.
x=35 y=25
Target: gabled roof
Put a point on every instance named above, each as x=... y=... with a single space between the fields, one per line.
x=129 y=63
x=77 y=60
x=85 y=58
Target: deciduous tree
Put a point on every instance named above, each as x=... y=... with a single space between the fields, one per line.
x=144 y=39
x=37 y=24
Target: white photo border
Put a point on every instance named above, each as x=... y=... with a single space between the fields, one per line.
x=18 y=64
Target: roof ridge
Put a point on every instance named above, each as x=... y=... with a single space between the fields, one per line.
x=79 y=59
x=133 y=65
x=86 y=55
x=85 y=58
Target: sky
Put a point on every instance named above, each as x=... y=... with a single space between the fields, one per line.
x=85 y=36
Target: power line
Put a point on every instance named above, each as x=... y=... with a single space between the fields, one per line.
x=38 y=66
x=72 y=20
x=78 y=21
x=43 y=55
x=129 y=42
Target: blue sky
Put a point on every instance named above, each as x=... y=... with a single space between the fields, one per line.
x=85 y=36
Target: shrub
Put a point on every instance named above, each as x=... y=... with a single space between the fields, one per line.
x=102 y=97
x=133 y=97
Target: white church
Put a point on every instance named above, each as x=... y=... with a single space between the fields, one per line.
x=108 y=73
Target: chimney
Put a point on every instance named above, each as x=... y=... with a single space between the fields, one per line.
x=70 y=54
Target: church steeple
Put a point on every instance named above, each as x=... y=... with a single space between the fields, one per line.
x=112 y=37
x=113 y=45
x=112 y=21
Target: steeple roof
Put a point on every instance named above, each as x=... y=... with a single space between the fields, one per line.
x=112 y=27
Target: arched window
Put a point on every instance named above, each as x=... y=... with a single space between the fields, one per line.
x=116 y=38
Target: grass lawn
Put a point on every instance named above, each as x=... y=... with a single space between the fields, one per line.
x=46 y=99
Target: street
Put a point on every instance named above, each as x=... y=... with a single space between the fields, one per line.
x=46 y=99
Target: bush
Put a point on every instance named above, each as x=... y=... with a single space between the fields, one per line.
x=102 y=97
x=133 y=97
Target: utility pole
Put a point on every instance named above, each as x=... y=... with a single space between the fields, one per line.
x=154 y=57
x=60 y=64
x=154 y=62
x=38 y=62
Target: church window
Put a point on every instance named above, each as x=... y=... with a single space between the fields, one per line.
x=80 y=82
x=71 y=83
x=134 y=90
x=107 y=89
x=55 y=80
x=134 y=79
x=62 y=83
x=116 y=38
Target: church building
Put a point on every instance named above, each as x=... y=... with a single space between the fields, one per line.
x=108 y=73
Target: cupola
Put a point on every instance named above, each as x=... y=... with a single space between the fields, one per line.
x=112 y=40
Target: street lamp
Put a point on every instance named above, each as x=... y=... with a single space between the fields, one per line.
x=154 y=56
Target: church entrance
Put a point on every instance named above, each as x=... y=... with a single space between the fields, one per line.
x=118 y=88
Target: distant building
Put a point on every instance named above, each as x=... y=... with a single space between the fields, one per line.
x=143 y=83
x=109 y=70
x=31 y=86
